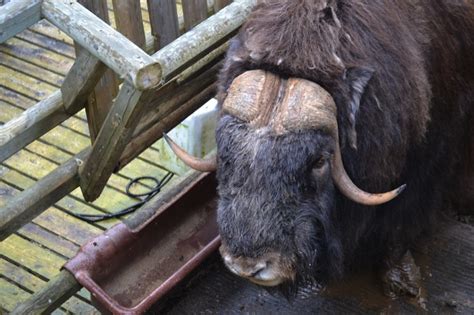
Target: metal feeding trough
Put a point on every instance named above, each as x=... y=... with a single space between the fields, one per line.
x=128 y=269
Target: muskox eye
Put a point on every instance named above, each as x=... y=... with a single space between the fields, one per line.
x=319 y=163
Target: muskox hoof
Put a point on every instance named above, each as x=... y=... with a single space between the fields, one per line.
x=402 y=277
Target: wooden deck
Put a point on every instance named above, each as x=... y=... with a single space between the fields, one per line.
x=32 y=66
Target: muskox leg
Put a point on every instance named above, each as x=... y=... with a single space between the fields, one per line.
x=401 y=276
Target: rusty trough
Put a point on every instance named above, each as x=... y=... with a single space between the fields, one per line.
x=128 y=269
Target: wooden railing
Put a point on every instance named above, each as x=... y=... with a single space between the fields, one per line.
x=116 y=79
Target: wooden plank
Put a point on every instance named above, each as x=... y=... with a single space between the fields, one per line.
x=53 y=219
x=31 y=70
x=101 y=98
x=10 y=295
x=31 y=124
x=18 y=15
x=42 y=261
x=112 y=200
x=164 y=21
x=51 y=296
x=56 y=45
x=27 y=205
x=48 y=240
x=32 y=284
x=10 y=111
x=28 y=52
x=112 y=48
x=128 y=18
x=45 y=28
x=14 y=102
x=194 y=12
x=81 y=80
x=113 y=137
x=219 y=4
x=31 y=161
x=22 y=83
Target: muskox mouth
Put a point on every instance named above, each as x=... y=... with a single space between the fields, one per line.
x=269 y=269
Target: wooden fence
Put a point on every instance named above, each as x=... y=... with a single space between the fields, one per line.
x=118 y=75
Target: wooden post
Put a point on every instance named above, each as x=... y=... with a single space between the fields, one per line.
x=105 y=43
x=194 y=11
x=128 y=18
x=164 y=21
x=114 y=135
x=18 y=15
x=45 y=192
x=100 y=98
x=219 y=4
x=81 y=80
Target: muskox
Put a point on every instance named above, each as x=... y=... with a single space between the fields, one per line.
x=328 y=109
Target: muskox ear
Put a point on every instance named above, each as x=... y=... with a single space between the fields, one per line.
x=357 y=79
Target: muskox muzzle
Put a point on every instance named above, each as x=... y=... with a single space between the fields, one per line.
x=263 y=99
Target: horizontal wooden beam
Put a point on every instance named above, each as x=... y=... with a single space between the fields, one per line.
x=18 y=15
x=202 y=38
x=28 y=204
x=100 y=39
x=31 y=124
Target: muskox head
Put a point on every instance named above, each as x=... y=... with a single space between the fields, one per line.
x=279 y=163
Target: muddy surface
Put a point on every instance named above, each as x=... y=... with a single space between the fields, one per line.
x=446 y=264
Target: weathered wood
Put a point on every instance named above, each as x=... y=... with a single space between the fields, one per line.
x=18 y=15
x=30 y=125
x=32 y=283
x=194 y=11
x=208 y=59
x=207 y=35
x=39 y=119
x=219 y=4
x=114 y=135
x=101 y=98
x=58 y=290
x=31 y=202
x=174 y=94
x=80 y=81
x=43 y=58
x=164 y=21
x=145 y=139
x=128 y=18
x=108 y=45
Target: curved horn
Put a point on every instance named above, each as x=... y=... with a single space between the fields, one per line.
x=202 y=165
x=351 y=191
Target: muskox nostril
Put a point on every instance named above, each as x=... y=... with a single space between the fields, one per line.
x=258 y=269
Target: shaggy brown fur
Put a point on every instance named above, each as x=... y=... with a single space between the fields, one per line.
x=410 y=63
